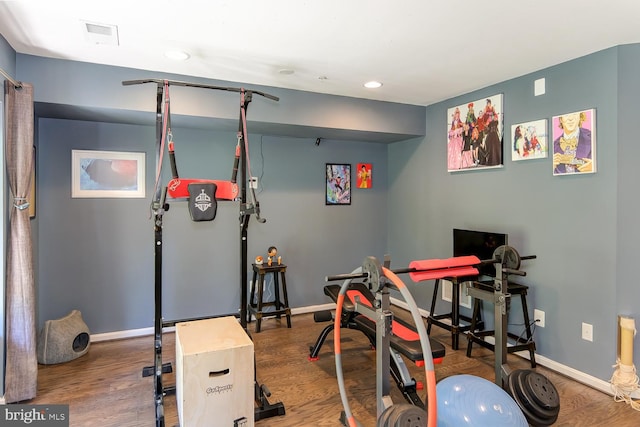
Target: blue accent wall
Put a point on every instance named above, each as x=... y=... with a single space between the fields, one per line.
x=97 y=255
x=627 y=248
x=581 y=228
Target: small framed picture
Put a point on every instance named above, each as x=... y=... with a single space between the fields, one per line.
x=338 y=184
x=112 y=174
x=529 y=140
x=363 y=170
x=574 y=143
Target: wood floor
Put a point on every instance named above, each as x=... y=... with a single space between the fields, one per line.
x=105 y=387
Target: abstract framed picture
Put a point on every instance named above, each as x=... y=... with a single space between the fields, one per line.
x=108 y=174
x=364 y=170
x=338 y=184
x=474 y=135
x=574 y=143
x=529 y=140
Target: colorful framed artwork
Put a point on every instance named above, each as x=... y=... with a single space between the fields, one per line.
x=474 y=135
x=114 y=174
x=364 y=175
x=338 y=184
x=529 y=140
x=574 y=143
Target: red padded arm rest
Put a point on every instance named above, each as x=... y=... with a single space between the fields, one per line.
x=178 y=188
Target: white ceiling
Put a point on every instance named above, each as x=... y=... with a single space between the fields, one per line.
x=424 y=51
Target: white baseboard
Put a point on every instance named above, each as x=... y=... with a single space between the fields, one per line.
x=568 y=371
x=574 y=374
x=581 y=377
x=132 y=333
x=313 y=308
x=118 y=335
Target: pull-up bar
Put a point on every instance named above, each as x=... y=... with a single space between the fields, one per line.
x=197 y=85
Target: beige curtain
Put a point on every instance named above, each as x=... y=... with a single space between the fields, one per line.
x=21 y=371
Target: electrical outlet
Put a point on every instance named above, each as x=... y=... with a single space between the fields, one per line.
x=447 y=293
x=587 y=332
x=254 y=183
x=538 y=316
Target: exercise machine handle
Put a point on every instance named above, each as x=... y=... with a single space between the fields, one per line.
x=339 y=277
x=172 y=161
x=515 y=272
x=496 y=260
x=236 y=162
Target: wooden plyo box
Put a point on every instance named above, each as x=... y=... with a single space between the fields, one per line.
x=214 y=374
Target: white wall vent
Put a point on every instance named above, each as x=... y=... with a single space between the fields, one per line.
x=95 y=33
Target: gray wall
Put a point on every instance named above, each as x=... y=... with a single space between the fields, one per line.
x=97 y=255
x=628 y=231
x=576 y=225
x=7 y=58
x=95 y=92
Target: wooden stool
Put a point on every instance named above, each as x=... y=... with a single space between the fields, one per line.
x=281 y=307
x=454 y=315
x=521 y=343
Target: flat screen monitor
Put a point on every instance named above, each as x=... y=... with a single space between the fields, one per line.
x=479 y=243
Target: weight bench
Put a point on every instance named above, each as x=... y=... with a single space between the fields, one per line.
x=404 y=340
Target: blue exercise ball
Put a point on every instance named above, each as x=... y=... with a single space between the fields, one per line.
x=467 y=400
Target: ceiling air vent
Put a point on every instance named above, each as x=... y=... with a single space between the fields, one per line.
x=100 y=33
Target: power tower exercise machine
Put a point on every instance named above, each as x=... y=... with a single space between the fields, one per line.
x=207 y=192
x=533 y=392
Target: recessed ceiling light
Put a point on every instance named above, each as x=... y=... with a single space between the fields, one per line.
x=372 y=84
x=286 y=71
x=177 y=55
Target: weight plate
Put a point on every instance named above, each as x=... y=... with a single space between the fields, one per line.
x=531 y=416
x=406 y=415
x=372 y=267
x=532 y=401
x=383 y=421
x=543 y=391
x=508 y=256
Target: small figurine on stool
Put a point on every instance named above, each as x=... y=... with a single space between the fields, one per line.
x=272 y=252
x=259 y=260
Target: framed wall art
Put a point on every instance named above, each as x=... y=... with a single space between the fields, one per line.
x=338 y=184
x=574 y=143
x=529 y=140
x=115 y=174
x=474 y=135
x=363 y=170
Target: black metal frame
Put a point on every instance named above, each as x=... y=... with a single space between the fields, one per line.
x=264 y=409
x=498 y=295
